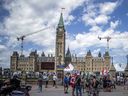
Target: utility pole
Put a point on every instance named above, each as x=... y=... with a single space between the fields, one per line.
x=127 y=59
x=112 y=60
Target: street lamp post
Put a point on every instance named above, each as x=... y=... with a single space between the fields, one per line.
x=112 y=60
x=127 y=59
x=126 y=69
x=1 y=77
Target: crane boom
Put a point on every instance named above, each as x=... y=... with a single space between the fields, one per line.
x=21 y=38
x=108 y=38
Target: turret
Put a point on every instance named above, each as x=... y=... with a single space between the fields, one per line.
x=43 y=54
x=107 y=60
x=99 y=55
x=112 y=70
x=89 y=54
x=89 y=60
x=68 y=57
x=14 y=61
x=33 y=60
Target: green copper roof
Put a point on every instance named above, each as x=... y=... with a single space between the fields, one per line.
x=61 y=22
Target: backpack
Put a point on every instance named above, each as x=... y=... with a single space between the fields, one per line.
x=72 y=81
x=66 y=80
x=96 y=85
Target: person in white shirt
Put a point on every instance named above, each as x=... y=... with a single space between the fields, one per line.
x=54 y=80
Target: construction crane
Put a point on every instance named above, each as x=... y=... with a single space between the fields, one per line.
x=21 y=38
x=108 y=38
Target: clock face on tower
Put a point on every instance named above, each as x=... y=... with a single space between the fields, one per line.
x=60 y=29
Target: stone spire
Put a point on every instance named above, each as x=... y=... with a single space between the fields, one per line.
x=61 y=22
x=68 y=54
x=89 y=53
x=43 y=54
x=68 y=57
x=112 y=68
x=99 y=55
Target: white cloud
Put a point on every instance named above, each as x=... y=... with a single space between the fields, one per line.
x=95 y=29
x=96 y=52
x=27 y=16
x=96 y=13
x=118 y=68
x=88 y=20
x=102 y=19
x=2 y=48
x=113 y=25
x=69 y=19
x=108 y=7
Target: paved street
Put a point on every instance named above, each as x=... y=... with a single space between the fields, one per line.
x=50 y=91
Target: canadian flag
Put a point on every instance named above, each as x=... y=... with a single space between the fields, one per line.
x=70 y=67
x=105 y=71
x=67 y=67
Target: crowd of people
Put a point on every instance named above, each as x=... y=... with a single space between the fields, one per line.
x=44 y=78
x=91 y=84
x=81 y=83
x=78 y=82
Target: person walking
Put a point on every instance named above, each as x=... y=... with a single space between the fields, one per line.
x=47 y=79
x=95 y=84
x=83 y=83
x=66 y=83
x=78 y=85
x=40 y=83
x=54 y=81
x=72 y=83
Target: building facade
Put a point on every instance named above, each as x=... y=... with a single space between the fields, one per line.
x=34 y=62
x=90 y=63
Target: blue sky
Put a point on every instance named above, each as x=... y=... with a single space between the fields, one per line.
x=84 y=20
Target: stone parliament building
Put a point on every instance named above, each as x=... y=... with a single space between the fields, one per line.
x=36 y=63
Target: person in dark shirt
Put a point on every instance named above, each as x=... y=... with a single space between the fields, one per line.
x=10 y=85
x=78 y=85
x=40 y=83
x=15 y=82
